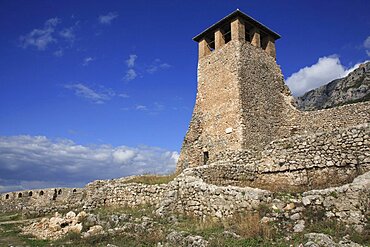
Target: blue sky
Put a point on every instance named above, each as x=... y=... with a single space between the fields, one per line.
x=103 y=89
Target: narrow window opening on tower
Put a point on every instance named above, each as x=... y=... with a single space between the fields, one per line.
x=7 y=196
x=19 y=195
x=41 y=193
x=205 y=157
x=226 y=32
x=248 y=31
x=264 y=41
x=30 y=193
x=210 y=42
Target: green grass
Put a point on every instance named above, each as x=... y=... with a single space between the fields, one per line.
x=137 y=212
x=10 y=216
x=10 y=234
x=151 y=179
x=338 y=230
x=103 y=240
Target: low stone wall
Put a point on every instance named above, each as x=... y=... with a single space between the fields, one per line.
x=330 y=119
x=349 y=203
x=298 y=163
x=189 y=194
x=117 y=192
x=42 y=201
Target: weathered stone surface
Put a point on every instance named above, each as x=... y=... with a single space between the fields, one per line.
x=93 y=231
x=242 y=88
x=323 y=240
x=184 y=239
x=55 y=227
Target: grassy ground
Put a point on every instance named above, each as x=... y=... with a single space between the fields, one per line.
x=247 y=226
x=152 y=179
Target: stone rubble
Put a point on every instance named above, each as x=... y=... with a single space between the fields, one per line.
x=323 y=240
x=57 y=226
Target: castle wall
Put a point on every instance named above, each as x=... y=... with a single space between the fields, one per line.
x=41 y=201
x=190 y=194
x=243 y=104
x=297 y=163
x=329 y=119
x=107 y=193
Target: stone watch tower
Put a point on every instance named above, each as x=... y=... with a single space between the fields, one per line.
x=241 y=99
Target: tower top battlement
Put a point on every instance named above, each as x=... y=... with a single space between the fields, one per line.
x=236 y=26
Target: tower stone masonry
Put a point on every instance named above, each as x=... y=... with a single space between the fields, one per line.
x=241 y=94
x=242 y=103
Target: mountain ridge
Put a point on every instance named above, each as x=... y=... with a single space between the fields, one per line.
x=353 y=88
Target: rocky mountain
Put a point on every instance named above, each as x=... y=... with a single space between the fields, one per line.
x=351 y=89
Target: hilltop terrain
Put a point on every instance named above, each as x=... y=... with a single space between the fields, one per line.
x=353 y=88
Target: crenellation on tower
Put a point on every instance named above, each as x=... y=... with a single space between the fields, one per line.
x=238 y=29
x=236 y=26
x=255 y=37
x=219 y=39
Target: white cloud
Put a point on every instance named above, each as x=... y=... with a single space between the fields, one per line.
x=130 y=75
x=367 y=45
x=131 y=61
x=152 y=109
x=35 y=162
x=58 y=53
x=123 y=155
x=68 y=34
x=124 y=95
x=42 y=37
x=131 y=72
x=52 y=22
x=108 y=18
x=98 y=97
x=157 y=65
x=87 y=61
x=141 y=108
x=50 y=33
x=310 y=77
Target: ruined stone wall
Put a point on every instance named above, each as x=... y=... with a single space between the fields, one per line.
x=300 y=162
x=116 y=192
x=100 y=193
x=42 y=201
x=190 y=194
x=329 y=119
x=349 y=203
